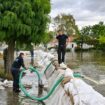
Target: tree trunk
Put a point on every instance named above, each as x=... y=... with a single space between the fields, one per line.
x=10 y=55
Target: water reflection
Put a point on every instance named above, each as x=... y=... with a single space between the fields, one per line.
x=93 y=57
x=12 y=98
x=8 y=97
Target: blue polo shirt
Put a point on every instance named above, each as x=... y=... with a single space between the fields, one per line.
x=18 y=62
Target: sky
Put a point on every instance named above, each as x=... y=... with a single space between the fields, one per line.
x=85 y=12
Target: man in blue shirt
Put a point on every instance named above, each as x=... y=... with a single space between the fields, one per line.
x=62 y=41
x=18 y=62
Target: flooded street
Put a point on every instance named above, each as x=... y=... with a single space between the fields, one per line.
x=90 y=64
x=7 y=97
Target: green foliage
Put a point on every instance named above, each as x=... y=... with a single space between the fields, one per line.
x=98 y=30
x=84 y=36
x=102 y=42
x=67 y=23
x=47 y=37
x=86 y=31
x=83 y=39
x=102 y=39
x=23 y=21
x=94 y=35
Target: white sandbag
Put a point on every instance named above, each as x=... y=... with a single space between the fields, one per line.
x=50 y=56
x=83 y=93
x=58 y=98
x=2 y=88
x=68 y=72
x=7 y=83
x=46 y=62
x=29 y=79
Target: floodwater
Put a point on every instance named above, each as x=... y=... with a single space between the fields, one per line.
x=90 y=64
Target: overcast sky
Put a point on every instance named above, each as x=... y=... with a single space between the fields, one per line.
x=85 y=12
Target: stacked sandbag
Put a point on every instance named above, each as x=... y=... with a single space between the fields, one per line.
x=83 y=94
x=5 y=84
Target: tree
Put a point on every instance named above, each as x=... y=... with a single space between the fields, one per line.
x=48 y=37
x=84 y=36
x=94 y=35
x=86 y=31
x=98 y=30
x=66 y=23
x=22 y=21
x=102 y=39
